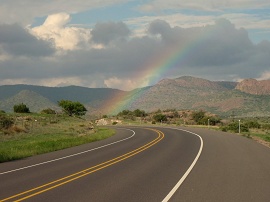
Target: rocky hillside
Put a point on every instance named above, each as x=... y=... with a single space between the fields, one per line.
x=252 y=86
x=195 y=93
x=247 y=98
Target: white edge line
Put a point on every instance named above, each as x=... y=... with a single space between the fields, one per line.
x=76 y=154
x=179 y=183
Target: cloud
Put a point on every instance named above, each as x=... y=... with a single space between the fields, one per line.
x=24 y=12
x=124 y=84
x=14 y=40
x=207 y=5
x=264 y=76
x=55 y=29
x=218 y=51
x=104 y=33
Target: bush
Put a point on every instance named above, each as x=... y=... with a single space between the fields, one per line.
x=160 y=117
x=48 y=111
x=72 y=108
x=253 y=124
x=234 y=127
x=21 y=108
x=266 y=126
x=199 y=117
x=5 y=122
x=139 y=113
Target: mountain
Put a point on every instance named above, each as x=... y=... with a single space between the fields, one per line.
x=247 y=98
x=252 y=86
x=33 y=100
x=195 y=93
x=11 y=95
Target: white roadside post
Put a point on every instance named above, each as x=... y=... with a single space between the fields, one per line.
x=239 y=126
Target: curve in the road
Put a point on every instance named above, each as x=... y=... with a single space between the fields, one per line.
x=182 y=179
x=72 y=155
x=59 y=182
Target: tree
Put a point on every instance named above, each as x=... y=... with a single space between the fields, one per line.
x=125 y=112
x=21 y=108
x=199 y=116
x=160 y=117
x=139 y=113
x=72 y=108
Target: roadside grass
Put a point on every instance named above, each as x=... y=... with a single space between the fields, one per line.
x=41 y=135
x=262 y=134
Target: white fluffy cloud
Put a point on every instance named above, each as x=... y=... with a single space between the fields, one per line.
x=264 y=76
x=25 y=11
x=124 y=84
x=219 y=51
x=55 y=29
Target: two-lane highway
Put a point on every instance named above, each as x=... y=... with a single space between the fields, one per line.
x=143 y=167
x=144 y=164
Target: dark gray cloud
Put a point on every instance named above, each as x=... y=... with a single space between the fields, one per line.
x=218 y=52
x=17 y=41
x=104 y=33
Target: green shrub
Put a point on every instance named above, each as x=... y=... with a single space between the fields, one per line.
x=48 y=111
x=21 y=108
x=160 y=117
x=5 y=122
x=234 y=127
x=253 y=124
x=72 y=108
x=266 y=126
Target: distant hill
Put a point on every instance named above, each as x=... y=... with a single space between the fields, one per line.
x=33 y=100
x=252 y=86
x=195 y=93
x=218 y=97
x=12 y=94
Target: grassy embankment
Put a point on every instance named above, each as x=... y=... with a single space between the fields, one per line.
x=35 y=134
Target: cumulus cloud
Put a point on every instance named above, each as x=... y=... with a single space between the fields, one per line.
x=218 y=51
x=55 y=29
x=104 y=33
x=14 y=40
x=24 y=11
x=264 y=76
x=124 y=84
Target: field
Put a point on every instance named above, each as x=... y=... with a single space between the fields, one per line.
x=34 y=134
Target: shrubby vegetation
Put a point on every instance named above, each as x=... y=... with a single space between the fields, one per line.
x=72 y=108
x=5 y=122
x=160 y=117
x=201 y=118
x=21 y=108
x=234 y=127
x=48 y=111
x=127 y=114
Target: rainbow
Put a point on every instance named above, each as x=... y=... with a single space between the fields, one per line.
x=157 y=67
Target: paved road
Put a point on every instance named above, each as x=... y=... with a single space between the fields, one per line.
x=144 y=165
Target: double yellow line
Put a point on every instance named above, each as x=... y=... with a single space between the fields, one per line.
x=51 y=185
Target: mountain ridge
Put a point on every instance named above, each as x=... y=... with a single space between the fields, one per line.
x=219 y=97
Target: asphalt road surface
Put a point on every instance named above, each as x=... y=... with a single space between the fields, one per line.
x=145 y=164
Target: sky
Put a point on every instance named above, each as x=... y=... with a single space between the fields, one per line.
x=131 y=44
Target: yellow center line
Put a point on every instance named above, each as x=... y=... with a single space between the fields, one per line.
x=80 y=174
